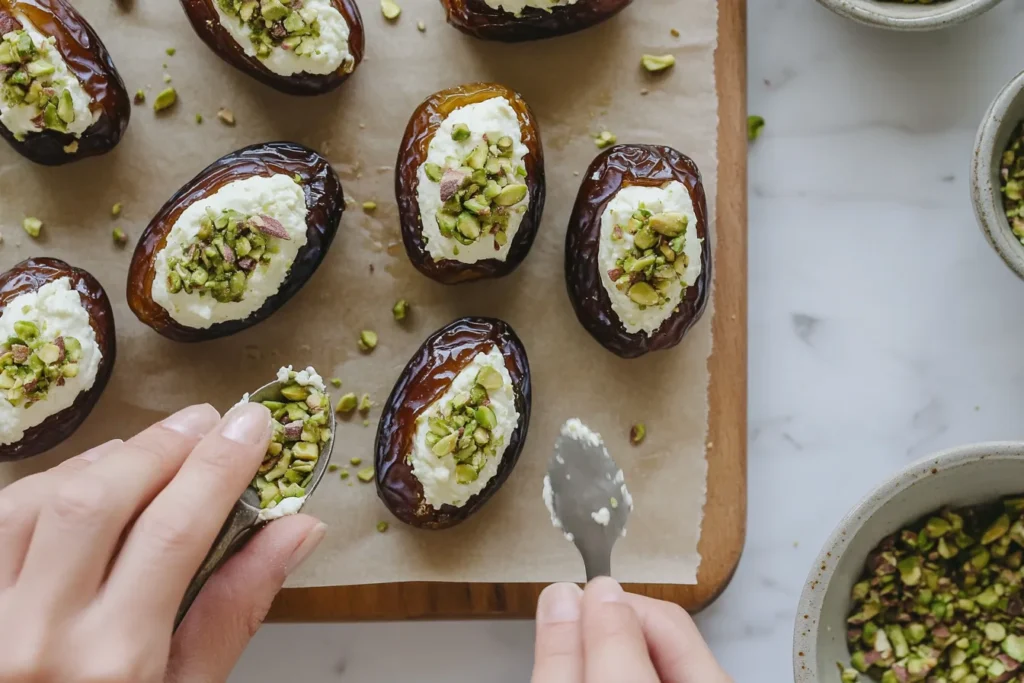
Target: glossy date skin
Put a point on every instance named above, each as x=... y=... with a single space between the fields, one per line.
x=29 y=276
x=325 y=203
x=413 y=153
x=618 y=167
x=89 y=61
x=206 y=23
x=479 y=20
x=423 y=381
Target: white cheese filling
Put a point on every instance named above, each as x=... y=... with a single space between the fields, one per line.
x=516 y=7
x=57 y=310
x=288 y=506
x=277 y=196
x=329 y=54
x=437 y=474
x=494 y=118
x=671 y=198
x=306 y=378
x=21 y=119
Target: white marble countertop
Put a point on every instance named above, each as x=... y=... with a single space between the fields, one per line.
x=882 y=328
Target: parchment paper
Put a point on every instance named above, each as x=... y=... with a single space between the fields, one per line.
x=577 y=85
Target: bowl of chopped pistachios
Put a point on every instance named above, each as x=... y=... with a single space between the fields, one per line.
x=909 y=15
x=924 y=579
x=997 y=174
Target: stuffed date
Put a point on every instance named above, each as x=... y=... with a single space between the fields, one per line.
x=454 y=425
x=236 y=243
x=520 y=20
x=470 y=183
x=56 y=354
x=306 y=48
x=61 y=98
x=637 y=263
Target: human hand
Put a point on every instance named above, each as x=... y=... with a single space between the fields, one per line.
x=98 y=551
x=605 y=635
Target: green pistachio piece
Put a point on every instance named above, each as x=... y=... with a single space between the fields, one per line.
x=460 y=132
x=390 y=9
x=669 y=224
x=637 y=433
x=365 y=404
x=445 y=445
x=32 y=226
x=433 y=171
x=165 y=100
x=367 y=340
x=400 y=309
x=655 y=63
x=478 y=157
x=66 y=107
x=511 y=194
x=466 y=474
x=485 y=416
x=295 y=392
x=26 y=330
x=140 y=97
x=40 y=68
x=997 y=530
x=468 y=225
x=605 y=139
x=347 y=403
x=755 y=124
x=382 y=527
x=643 y=294
x=119 y=237
x=369 y=207
x=489 y=378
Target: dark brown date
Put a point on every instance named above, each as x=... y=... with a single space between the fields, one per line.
x=614 y=169
x=480 y=20
x=29 y=276
x=425 y=379
x=207 y=24
x=89 y=61
x=324 y=200
x=413 y=153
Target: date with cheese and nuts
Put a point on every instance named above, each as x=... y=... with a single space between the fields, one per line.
x=300 y=47
x=236 y=243
x=57 y=349
x=637 y=265
x=520 y=20
x=61 y=98
x=455 y=424
x=470 y=183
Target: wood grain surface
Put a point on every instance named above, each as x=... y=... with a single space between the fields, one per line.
x=724 y=525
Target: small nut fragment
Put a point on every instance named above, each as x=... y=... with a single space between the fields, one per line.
x=755 y=124
x=120 y=239
x=637 y=433
x=199 y=118
x=605 y=139
x=369 y=207
x=356 y=461
x=171 y=51
x=71 y=147
x=347 y=403
x=33 y=226
x=365 y=475
x=421 y=27
x=165 y=100
x=115 y=210
x=654 y=63
x=336 y=382
x=382 y=527
x=226 y=116
x=390 y=9
x=140 y=96
x=367 y=340
x=365 y=404
x=400 y=309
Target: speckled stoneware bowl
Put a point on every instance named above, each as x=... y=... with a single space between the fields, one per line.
x=1003 y=115
x=901 y=16
x=967 y=475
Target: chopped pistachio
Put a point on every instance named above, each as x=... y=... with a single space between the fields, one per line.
x=165 y=100
x=365 y=475
x=365 y=404
x=32 y=226
x=344 y=474
x=116 y=209
x=336 y=382
x=400 y=309
x=171 y=51
x=140 y=96
x=605 y=139
x=226 y=116
x=120 y=238
x=347 y=403
x=71 y=147
x=390 y=9
x=369 y=207
x=755 y=124
x=382 y=527
x=167 y=78
x=421 y=27
x=674 y=32
x=367 y=340
x=637 y=433
x=654 y=63
x=333 y=468
x=199 y=118
x=356 y=461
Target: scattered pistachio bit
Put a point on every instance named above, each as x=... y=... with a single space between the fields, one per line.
x=333 y=468
x=347 y=403
x=365 y=475
x=30 y=363
x=382 y=527
x=297 y=178
x=71 y=147
x=226 y=116
x=167 y=78
x=116 y=209
x=336 y=382
x=421 y=27
x=655 y=63
x=755 y=124
x=365 y=404
x=637 y=433
x=674 y=32
x=367 y=340
x=300 y=432
x=400 y=309
x=33 y=226
x=390 y=9
x=369 y=207
x=171 y=51
x=165 y=100
x=605 y=139
x=199 y=118
x=140 y=96
x=356 y=461
x=120 y=239
x=344 y=474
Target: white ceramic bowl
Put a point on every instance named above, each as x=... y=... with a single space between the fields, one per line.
x=1002 y=117
x=909 y=17
x=961 y=476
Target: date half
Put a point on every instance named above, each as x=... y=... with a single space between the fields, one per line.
x=482 y=20
x=423 y=382
x=616 y=169
x=87 y=61
x=28 y=276
x=413 y=153
x=206 y=21
x=325 y=203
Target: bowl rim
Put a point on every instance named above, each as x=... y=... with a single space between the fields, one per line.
x=808 y=615
x=937 y=16
x=988 y=210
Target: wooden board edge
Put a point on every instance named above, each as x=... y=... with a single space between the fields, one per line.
x=726 y=504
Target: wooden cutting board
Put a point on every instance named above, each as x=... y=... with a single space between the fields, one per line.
x=724 y=525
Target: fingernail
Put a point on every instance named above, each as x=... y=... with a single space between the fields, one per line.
x=193 y=421
x=606 y=589
x=247 y=424
x=559 y=603
x=306 y=548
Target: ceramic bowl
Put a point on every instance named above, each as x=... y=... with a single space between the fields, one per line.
x=901 y=16
x=1003 y=115
x=967 y=475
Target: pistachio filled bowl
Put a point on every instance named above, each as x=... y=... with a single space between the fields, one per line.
x=909 y=15
x=923 y=577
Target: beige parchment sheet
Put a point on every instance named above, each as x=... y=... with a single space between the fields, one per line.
x=577 y=85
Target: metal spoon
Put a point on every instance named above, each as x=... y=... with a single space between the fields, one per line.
x=587 y=497
x=244 y=520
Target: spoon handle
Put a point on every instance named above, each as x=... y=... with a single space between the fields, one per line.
x=597 y=564
x=237 y=530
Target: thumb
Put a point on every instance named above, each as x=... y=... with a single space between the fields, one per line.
x=235 y=601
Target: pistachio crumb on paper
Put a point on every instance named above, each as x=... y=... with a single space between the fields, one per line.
x=656 y=63
x=755 y=124
x=31 y=225
x=390 y=9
